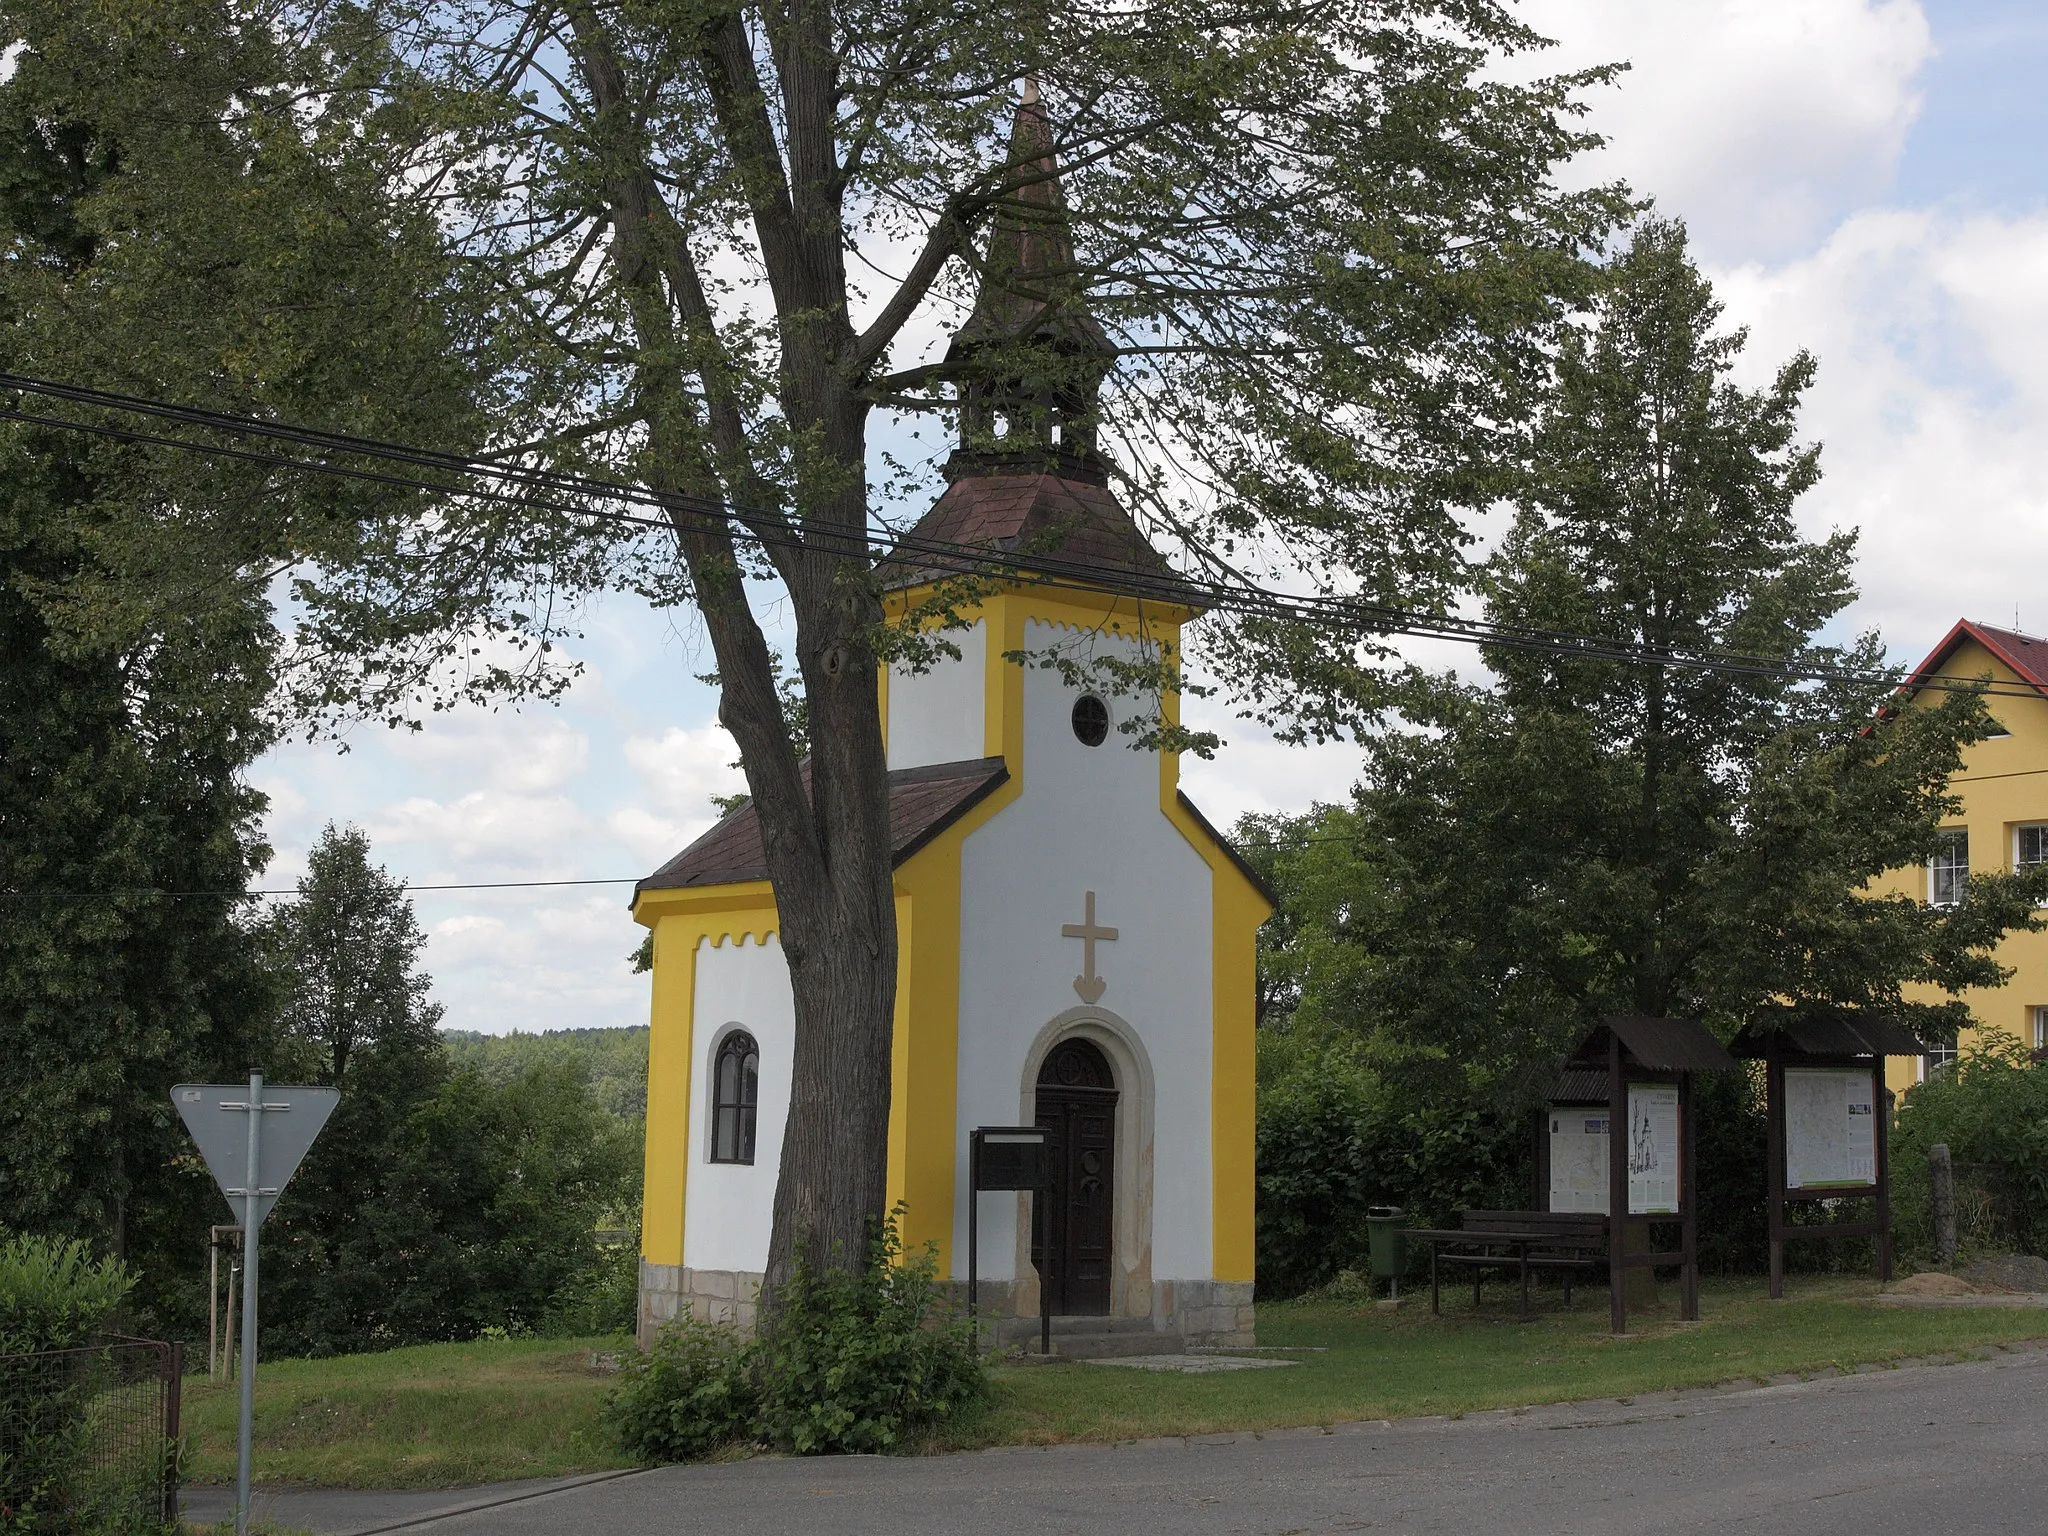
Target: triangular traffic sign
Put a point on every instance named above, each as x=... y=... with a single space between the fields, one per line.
x=217 y=1115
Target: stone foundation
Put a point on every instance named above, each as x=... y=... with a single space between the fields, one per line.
x=1186 y=1314
x=668 y=1291
x=1213 y=1314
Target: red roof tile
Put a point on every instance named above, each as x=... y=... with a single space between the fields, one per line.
x=923 y=802
x=1054 y=523
x=2027 y=655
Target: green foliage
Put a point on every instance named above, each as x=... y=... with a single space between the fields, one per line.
x=440 y=1201
x=857 y=1359
x=121 y=778
x=1337 y=1134
x=602 y=1296
x=55 y=1475
x=1587 y=835
x=1989 y=1106
x=348 y=949
x=1582 y=835
x=54 y=1294
x=473 y=1206
x=614 y=1060
x=692 y=1393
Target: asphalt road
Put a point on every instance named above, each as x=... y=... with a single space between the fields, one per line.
x=1952 y=1449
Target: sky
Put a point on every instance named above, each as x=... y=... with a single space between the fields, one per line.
x=1862 y=178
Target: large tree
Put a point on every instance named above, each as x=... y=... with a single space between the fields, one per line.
x=704 y=243
x=128 y=953
x=1675 y=793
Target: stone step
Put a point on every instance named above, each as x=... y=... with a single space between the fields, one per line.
x=1091 y=1338
x=1109 y=1346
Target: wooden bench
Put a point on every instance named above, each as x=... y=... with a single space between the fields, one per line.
x=1523 y=1241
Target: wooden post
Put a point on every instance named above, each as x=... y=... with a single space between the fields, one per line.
x=1881 y=1134
x=212 y=1303
x=1943 y=1173
x=1617 y=1187
x=1688 y=1204
x=1774 y=1158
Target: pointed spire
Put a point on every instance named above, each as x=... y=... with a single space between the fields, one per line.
x=1029 y=275
x=1032 y=301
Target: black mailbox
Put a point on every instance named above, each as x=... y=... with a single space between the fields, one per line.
x=1010 y=1157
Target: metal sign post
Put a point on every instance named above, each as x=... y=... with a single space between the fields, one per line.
x=253 y=1145
x=1005 y=1157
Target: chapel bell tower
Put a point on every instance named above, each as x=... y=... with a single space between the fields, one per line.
x=1029 y=363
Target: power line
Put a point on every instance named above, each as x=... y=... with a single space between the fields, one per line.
x=544 y=490
x=141 y=892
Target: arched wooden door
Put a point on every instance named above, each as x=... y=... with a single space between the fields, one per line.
x=1077 y=1103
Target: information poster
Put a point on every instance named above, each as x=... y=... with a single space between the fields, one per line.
x=1830 y=1131
x=1578 y=1158
x=1652 y=1149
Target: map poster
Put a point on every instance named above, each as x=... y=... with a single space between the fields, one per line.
x=1652 y=1147
x=1830 y=1132
x=1578 y=1158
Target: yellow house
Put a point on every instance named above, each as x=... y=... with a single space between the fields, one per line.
x=2003 y=824
x=1076 y=943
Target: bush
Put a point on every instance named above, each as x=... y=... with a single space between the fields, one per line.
x=689 y=1395
x=603 y=1297
x=1990 y=1107
x=856 y=1359
x=1338 y=1133
x=54 y=1294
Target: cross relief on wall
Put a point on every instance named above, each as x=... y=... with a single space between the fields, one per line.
x=1088 y=985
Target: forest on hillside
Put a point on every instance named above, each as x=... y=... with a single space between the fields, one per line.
x=613 y=1061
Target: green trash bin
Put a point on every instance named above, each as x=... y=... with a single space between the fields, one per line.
x=1386 y=1229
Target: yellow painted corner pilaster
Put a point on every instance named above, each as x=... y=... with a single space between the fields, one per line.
x=668 y=1095
x=1233 y=1080
x=681 y=921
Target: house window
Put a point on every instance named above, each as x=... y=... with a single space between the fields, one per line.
x=735 y=1091
x=1936 y=1061
x=2040 y=1017
x=1950 y=869
x=2029 y=846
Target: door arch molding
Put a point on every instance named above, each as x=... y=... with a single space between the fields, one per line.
x=1130 y=1288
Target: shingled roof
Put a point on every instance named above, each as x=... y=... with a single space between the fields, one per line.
x=1058 y=523
x=923 y=802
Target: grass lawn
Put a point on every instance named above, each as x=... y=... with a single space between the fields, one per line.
x=1377 y=1365
x=435 y=1416
x=449 y=1414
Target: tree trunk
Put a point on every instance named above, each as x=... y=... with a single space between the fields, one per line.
x=825 y=834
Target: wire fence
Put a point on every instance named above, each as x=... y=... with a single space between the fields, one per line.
x=89 y=1439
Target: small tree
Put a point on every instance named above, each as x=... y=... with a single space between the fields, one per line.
x=350 y=949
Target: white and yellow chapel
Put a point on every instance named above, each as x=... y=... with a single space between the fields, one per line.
x=1076 y=942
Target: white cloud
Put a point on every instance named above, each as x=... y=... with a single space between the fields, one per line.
x=680 y=770
x=522 y=752
x=488 y=831
x=1761 y=122
x=1932 y=336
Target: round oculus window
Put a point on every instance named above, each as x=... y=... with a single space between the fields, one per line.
x=1091 y=720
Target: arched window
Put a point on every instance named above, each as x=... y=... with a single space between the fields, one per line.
x=735 y=1089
